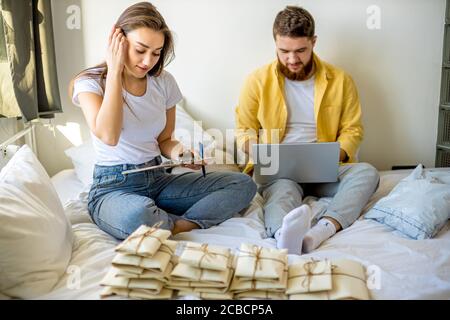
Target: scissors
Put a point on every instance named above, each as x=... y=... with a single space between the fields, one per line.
x=202 y=156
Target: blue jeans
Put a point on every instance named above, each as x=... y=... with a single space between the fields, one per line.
x=356 y=184
x=119 y=204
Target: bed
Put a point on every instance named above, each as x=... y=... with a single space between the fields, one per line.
x=397 y=267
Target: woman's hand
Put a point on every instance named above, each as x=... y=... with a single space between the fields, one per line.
x=115 y=56
x=188 y=157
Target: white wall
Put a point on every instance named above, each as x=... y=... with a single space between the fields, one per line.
x=69 y=46
x=396 y=68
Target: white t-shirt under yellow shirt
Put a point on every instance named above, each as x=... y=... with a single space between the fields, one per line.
x=301 y=124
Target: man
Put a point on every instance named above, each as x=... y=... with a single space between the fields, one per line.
x=299 y=98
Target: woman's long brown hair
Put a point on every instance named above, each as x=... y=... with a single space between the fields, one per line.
x=139 y=15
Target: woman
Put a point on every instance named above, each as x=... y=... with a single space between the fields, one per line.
x=129 y=104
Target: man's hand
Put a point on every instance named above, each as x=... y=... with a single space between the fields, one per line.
x=343 y=156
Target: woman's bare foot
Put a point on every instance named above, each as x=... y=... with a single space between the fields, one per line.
x=183 y=226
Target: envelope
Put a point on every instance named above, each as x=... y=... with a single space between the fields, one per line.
x=349 y=282
x=309 y=276
x=145 y=241
x=205 y=256
x=112 y=280
x=158 y=262
x=239 y=285
x=260 y=263
x=136 y=293
x=186 y=272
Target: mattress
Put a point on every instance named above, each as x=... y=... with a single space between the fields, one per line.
x=397 y=267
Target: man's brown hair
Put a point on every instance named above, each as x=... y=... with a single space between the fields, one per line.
x=294 y=22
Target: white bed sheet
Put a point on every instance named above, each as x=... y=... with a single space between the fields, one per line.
x=399 y=268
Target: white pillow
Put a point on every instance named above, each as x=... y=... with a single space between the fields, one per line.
x=35 y=235
x=83 y=160
x=190 y=132
x=7 y=154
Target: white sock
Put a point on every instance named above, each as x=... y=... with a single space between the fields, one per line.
x=295 y=224
x=323 y=230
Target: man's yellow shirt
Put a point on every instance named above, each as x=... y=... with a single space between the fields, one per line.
x=337 y=109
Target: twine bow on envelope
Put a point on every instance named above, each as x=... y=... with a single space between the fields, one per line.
x=315 y=275
x=147 y=234
x=256 y=253
x=209 y=258
x=206 y=254
x=310 y=267
x=141 y=237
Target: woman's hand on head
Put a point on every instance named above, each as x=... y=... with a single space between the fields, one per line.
x=117 y=48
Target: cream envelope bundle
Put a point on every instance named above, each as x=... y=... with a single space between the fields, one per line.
x=202 y=269
x=146 y=285
x=158 y=267
x=146 y=267
x=238 y=285
x=157 y=263
x=206 y=295
x=205 y=256
x=260 y=263
x=260 y=273
x=146 y=274
x=142 y=266
x=136 y=293
x=145 y=241
x=184 y=272
x=309 y=276
x=348 y=281
x=261 y=295
x=111 y=279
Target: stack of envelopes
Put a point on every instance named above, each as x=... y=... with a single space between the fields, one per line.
x=204 y=271
x=327 y=280
x=142 y=266
x=146 y=267
x=261 y=273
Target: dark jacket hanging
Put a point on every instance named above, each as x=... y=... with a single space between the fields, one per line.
x=28 y=72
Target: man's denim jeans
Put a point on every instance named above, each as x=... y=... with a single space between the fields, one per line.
x=356 y=184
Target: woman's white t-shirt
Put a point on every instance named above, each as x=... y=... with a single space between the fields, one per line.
x=144 y=118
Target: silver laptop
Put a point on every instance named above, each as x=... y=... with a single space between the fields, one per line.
x=301 y=162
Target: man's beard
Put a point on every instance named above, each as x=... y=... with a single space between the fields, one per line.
x=300 y=75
